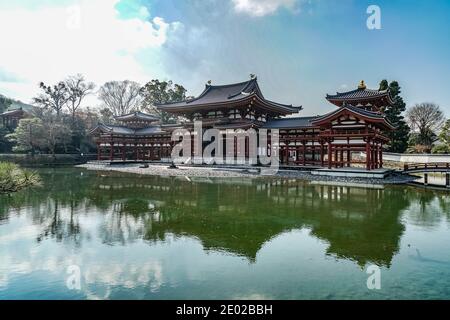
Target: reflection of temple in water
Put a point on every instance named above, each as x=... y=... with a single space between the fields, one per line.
x=232 y=215
x=359 y=224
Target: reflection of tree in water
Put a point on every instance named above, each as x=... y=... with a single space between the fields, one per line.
x=444 y=203
x=366 y=230
x=125 y=221
x=428 y=207
x=359 y=224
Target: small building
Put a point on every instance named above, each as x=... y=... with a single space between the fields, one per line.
x=12 y=115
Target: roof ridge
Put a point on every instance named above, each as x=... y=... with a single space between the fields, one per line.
x=232 y=84
x=293 y=118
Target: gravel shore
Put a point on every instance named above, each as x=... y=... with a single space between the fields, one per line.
x=220 y=172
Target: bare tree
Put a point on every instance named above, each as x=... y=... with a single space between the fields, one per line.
x=54 y=97
x=78 y=89
x=425 y=116
x=425 y=119
x=121 y=97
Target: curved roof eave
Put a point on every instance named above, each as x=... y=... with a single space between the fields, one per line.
x=273 y=105
x=364 y=114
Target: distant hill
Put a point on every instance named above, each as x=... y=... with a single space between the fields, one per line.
x=7 y=104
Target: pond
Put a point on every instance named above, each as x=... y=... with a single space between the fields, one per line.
x=141 y=237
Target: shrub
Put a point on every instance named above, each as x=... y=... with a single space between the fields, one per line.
x=441 y=148
x=13 y=178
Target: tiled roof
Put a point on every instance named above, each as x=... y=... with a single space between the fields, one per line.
x=288 y=123
x=137 y=116
x=360 y=111
x=11 y=112
x=17 y=106
x=238 y=125
x=358 y=93
x=225 y=94
x=121 y=130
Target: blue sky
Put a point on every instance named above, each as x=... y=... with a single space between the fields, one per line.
x=299 y=49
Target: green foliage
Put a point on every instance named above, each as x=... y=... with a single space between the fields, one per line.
x=444 y=136
x=444 y=139
x=106 y=116
x=5 y=144
x=40 y=134
x=4 y=103
x=421 y=142
x=28 y=135
x=441 y=148
x=157 y=92
x=13 y=178
x=399 y=136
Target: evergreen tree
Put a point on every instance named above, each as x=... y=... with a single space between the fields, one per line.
x=155 y=92
x=394 y=114
x=4 y=103
x=444 y=139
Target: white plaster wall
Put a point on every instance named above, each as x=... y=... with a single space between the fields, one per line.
x=413 y=158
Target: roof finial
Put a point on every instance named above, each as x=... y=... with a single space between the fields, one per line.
x=209 y=82
x=362 y=85
x=252 y=76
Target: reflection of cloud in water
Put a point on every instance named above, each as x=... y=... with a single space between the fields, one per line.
x=418 y=257
x=149 y=274
x=252 y=296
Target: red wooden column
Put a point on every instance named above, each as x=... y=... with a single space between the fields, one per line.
x=123 y=152
x=313 y=153
x=342 y=157
x=304 y=152
x=375 y=160
x=349 y=157
x=111 y=151
x=247 y=148
x=368 y=163
x=321 y=153
x=286 y=154
x=98 y=151
x=381 y=155
x=330 y=154
x=336 y=157
x=192 y=147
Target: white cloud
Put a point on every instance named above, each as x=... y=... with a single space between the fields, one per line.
x=259 y=8
x=49 y=43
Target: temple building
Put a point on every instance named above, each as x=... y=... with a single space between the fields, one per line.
x=333 y=140
x=12 y=115
x=137 y=136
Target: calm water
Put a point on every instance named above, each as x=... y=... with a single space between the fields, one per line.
x=174 y=238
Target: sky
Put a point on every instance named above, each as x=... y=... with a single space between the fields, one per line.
x=299 y=49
